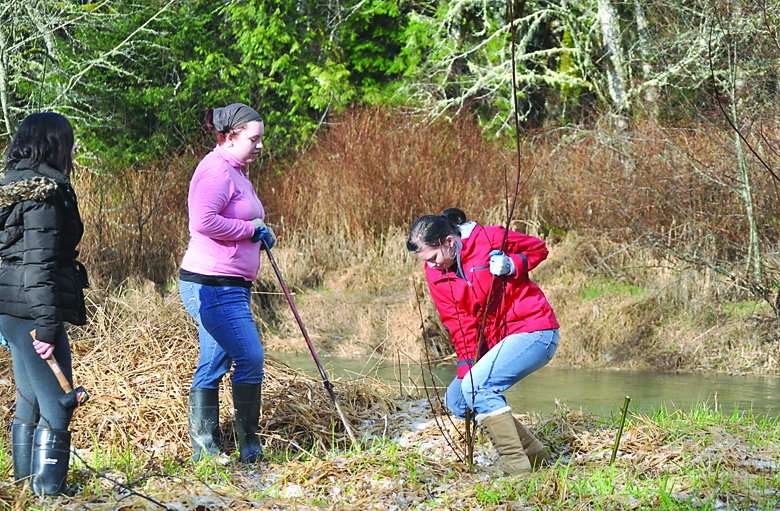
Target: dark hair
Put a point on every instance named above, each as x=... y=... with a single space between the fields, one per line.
x=45 y=137
x=455 y=215
x=222 y=136
x=432 y=230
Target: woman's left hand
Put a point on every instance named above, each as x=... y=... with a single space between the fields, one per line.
x=501 y=264
x=263 y=232
x=44 y=349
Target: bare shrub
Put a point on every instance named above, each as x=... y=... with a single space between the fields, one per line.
x=135 y=221
x=673 y=189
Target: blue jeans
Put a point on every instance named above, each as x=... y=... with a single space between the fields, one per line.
x=227 y=334
x=508 y=362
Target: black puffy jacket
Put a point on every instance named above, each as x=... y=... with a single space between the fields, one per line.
x=40 y=227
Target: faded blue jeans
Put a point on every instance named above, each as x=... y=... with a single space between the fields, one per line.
x=227 y=334
x=508 y=362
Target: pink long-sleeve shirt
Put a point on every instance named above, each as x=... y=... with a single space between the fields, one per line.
x=222 y=204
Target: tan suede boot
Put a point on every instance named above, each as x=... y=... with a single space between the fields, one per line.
x=502 y=431
x=533 y=448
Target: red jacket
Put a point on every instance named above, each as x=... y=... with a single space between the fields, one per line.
x=517 y=304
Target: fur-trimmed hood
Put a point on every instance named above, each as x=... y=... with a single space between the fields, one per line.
x=27 y=182
x=35 y=188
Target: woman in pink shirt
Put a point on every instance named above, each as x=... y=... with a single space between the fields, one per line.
x=215 y=280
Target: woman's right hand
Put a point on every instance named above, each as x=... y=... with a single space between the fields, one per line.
x=44 y=349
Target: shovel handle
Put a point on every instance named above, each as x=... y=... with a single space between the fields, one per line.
x=55 y=368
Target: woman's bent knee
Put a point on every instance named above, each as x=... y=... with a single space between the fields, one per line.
x=457 y=411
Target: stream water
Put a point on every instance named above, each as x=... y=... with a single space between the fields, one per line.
x=592 y=390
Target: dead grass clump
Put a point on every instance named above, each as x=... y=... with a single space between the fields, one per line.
x=618 y=306
x=650 y=202
x=136 y=357
x=366 y=307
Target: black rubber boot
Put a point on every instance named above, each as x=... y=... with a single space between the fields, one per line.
x=21 y=450
x=246 y=400
x=50 y=459
x=203 y=414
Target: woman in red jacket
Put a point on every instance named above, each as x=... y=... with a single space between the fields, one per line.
x=463 y=260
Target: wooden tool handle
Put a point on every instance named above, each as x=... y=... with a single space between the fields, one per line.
x=55 y=368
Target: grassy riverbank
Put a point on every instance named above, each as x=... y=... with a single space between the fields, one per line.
x=641 y=275
x=136 y=357
x=668 y=460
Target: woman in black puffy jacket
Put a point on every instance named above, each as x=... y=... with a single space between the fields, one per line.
x=41 y=286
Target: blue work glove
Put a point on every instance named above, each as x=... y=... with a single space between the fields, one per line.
x=264 y=233
x=501 y=264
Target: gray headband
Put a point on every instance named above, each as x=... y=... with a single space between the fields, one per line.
x=234 y=115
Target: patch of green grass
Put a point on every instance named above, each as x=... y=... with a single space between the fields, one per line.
x=209 y=469
x=6 y=464
x=743 y=309
x=489 y=495
x=669 y=459
x=601 y=286
x=703 y=477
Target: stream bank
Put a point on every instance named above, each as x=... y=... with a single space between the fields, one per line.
x=637 y=312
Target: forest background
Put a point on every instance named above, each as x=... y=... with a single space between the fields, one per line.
x=647 y=136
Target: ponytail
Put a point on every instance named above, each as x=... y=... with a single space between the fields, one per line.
x=432 y=230
x=455 y=216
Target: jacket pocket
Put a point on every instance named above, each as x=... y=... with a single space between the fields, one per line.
x=81 y=275
x=72 y=281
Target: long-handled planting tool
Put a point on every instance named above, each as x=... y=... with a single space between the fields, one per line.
x=73 y=398
x=325 y=382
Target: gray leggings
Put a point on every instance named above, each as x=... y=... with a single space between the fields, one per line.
x=37 y=388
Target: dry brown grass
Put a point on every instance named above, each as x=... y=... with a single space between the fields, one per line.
x=373 y=172
x=650 y=313
x=135 y=220
x=136 y=358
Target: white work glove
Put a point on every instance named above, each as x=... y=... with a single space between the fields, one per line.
x=501 y=264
